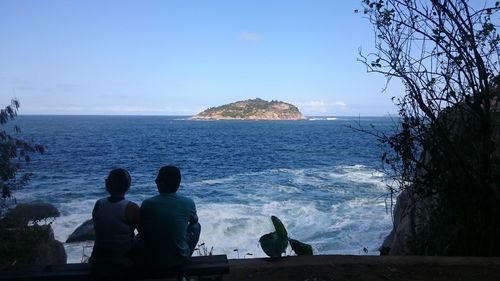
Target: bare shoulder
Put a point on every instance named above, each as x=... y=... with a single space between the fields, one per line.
x=133 y=206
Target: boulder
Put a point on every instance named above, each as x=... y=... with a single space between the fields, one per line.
x=84 y=232
x=400 y=210
x=22 y=214
x=30 y=244
x=410 y=216
x=51 y=251
x=33 y=244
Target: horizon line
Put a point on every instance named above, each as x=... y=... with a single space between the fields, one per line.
x=185 y=115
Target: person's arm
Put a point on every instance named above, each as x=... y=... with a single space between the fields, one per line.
x=133 y=215
x=193 y=217
x=96 y=208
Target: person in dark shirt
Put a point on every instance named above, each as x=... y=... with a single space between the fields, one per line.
x=169 y=223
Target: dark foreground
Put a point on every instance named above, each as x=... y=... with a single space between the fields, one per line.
x=311 y=268
x=366 y=268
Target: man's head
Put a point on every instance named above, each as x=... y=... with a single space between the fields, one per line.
x=168 y=179
x=118 y=182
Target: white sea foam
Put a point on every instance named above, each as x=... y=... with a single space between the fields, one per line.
x=231 y=227
x=286 y=188
x=360 y=174
x=360 y=223
x=212 y=181
x=317 y=206
x=322 y=118
x=78 y=252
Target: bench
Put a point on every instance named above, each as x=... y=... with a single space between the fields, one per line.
x=205 y=267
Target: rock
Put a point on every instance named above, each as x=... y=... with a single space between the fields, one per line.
x=399 y=212
x=51 y=251
x=84 y=232
x=33 y=244
x=410 y=215
x=22 y=214
x=386 y=245
x=57 y=253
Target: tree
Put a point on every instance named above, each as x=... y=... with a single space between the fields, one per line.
x=447 y=148
x=14 y=152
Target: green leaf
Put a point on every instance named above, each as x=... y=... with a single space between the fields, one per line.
x=280 y=228
x=273 y=245
x=301 y=249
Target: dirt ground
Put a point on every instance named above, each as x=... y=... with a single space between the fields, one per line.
x=366 y=268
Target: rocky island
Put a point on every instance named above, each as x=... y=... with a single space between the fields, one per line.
x=252 y=109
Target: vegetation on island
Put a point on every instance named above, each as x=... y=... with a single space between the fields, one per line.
x=252 y=109
x=445 y=153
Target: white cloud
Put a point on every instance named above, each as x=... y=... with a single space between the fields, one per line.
x=316 y=107
x=251 y=37
x=341 y=105
x=313 y=106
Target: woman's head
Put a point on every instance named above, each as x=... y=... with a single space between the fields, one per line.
x=118 y=181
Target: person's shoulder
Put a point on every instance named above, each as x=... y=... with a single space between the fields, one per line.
x=101 y=200
x=131 y=204
x=185 y=198
x=148 y=200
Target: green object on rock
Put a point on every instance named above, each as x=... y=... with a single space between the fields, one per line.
x=301 y=249
x=275 y=243
x=280 y=228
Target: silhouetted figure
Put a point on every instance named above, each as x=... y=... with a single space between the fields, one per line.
x=169 y=224
x=115 y=219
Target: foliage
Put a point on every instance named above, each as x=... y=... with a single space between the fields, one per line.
x=446 y=150
x=274 y=244
x=203 y=250
x=301 y=249
x=14 y=152
x=23 y=244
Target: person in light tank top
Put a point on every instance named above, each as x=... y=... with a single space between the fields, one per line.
x=115 y=220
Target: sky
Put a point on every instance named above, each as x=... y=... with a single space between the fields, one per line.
x=180 y=57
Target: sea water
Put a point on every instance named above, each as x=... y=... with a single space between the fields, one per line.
x=319 y=176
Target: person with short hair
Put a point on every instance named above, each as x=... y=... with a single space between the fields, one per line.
x=115 y=220
x=169 y=223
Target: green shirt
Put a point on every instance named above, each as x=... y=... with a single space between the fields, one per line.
x=164 y=220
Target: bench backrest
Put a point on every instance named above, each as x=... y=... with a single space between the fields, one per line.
x=197 y=266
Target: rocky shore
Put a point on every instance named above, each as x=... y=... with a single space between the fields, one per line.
x=28 y=238
x=47 y=250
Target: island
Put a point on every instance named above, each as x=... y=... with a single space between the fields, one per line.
x=252 y=109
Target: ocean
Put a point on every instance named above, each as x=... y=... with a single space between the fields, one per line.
x=320 y=177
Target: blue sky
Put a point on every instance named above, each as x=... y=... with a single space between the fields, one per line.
x=180 y=57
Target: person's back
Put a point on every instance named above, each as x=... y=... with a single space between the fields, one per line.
x=169 y=228
x=115 y=220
